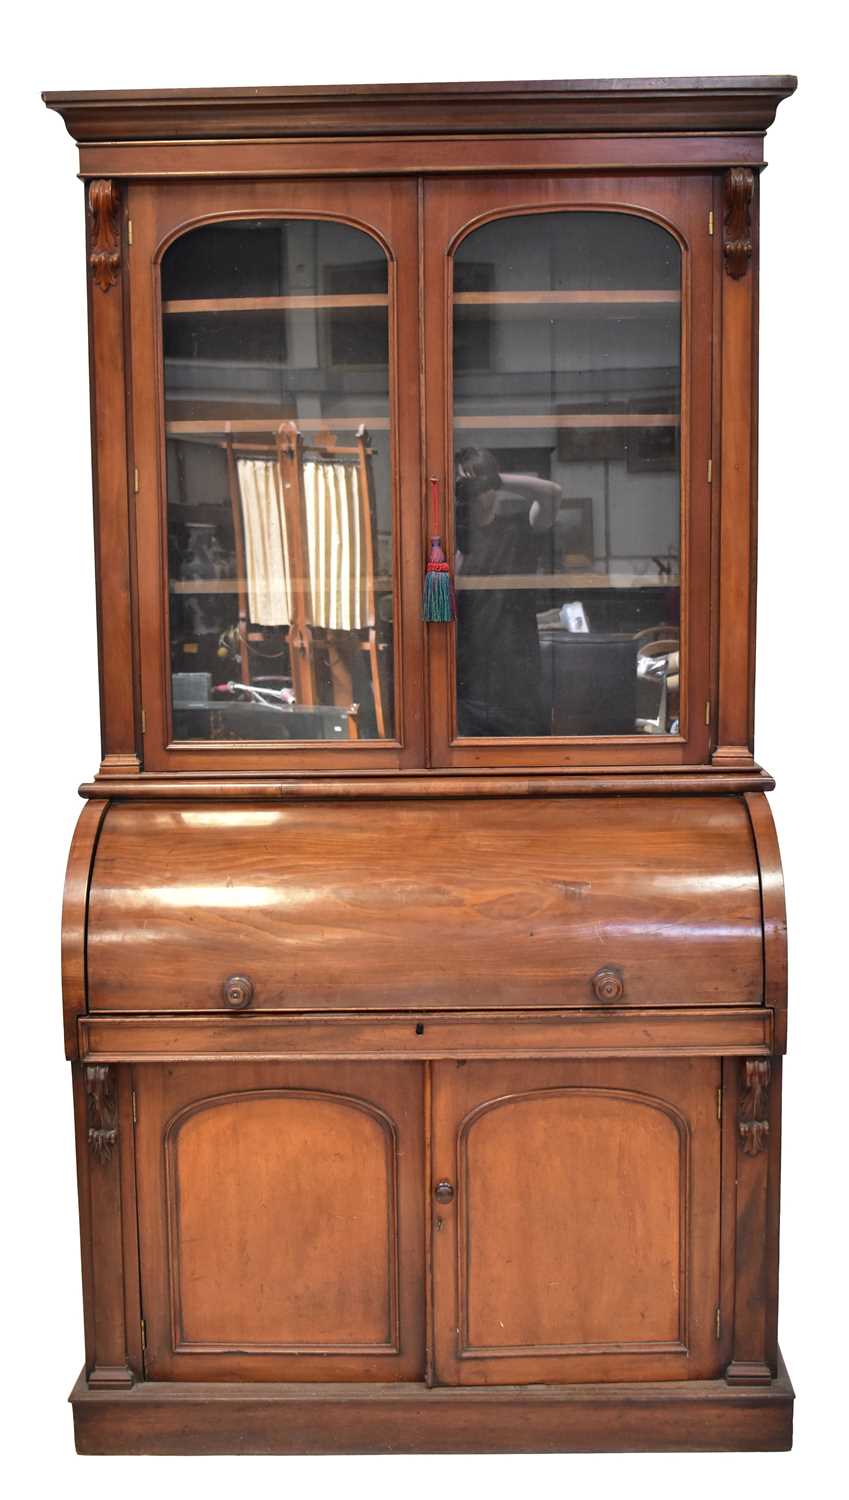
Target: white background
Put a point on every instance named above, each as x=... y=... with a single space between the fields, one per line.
x=47 y=640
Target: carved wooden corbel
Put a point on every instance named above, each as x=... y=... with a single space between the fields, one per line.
x=102 y=1111
x=752 y=1123
x=738 y=191
x=105 y=257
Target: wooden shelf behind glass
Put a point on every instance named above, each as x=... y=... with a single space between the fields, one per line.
x=222 y=426
x=275 y=304
x=573 y=419
x=562 y=299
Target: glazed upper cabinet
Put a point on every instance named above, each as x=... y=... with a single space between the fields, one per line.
x=323 y=373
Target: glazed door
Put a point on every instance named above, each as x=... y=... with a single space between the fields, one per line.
x=568 y=389
x=576 y=1221
x=281 y=1221
x=277 y=472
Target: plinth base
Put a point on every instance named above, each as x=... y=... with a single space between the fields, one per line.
x=668 y=1417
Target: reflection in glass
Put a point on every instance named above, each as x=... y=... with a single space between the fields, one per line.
x=567 y=333
x=276 y=363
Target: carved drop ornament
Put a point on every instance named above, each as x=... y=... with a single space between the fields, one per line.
x=105 y=257
x=737 y=221
x=102 y=1111
x=752 y=1124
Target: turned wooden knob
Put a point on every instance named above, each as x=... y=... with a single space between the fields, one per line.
x=443 y=1192
x=238 y=992
x=608 y=984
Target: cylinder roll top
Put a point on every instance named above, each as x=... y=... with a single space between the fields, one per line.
x=587 y=901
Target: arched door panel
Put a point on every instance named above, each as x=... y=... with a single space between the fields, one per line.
x=583 y=1239
x=277 y=1206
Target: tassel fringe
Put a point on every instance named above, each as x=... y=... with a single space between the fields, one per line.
x=438 y=602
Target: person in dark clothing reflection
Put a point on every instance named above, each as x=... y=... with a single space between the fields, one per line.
x=500 y=521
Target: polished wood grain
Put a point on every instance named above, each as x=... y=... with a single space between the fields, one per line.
x=280 y=1220
x=716 y=1031
x=397 y=906
x=583 y=1242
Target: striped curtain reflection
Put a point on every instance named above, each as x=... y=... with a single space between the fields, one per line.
x=336 y=599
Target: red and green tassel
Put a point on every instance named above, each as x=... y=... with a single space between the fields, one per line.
x=438 y=601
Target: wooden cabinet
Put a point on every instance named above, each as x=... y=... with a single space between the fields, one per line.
x=424 y=953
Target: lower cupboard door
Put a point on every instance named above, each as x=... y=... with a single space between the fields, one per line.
x=582 y=1239
x=281 y=1220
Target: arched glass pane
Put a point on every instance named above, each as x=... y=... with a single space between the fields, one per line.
x=276 y=369
x=567 y=406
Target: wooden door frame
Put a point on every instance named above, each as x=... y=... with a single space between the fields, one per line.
x=385 y=209
x=680 y=202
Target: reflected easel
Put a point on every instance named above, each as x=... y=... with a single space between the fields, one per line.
x=310 y=630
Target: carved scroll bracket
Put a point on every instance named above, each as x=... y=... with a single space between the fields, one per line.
x=102 y=1110
x=738 y=192
x=105 y=257
x=752 y=1123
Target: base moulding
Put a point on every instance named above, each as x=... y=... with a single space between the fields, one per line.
x=193 y=1418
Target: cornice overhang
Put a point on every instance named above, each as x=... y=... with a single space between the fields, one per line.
x=581 y=106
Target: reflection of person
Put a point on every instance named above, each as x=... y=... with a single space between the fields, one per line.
x=500 y=518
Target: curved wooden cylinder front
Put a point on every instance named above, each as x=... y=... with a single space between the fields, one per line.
x=585 y=901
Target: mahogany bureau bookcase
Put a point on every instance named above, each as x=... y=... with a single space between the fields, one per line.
x=424 y=944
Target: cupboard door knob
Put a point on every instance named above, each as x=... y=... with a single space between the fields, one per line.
x=444 y=1192
x=238 y=992
x=608 y=984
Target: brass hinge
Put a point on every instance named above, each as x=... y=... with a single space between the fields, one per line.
x=144 y=722
x=143 y=1327
x=710 y=471
x=130 y=231
x=135 y=1112
x=710 y=223
x=718 y=1103
x=718 y=1323
x=135 y=481
x=707 y=711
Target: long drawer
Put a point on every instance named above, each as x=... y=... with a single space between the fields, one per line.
x=461 y=905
